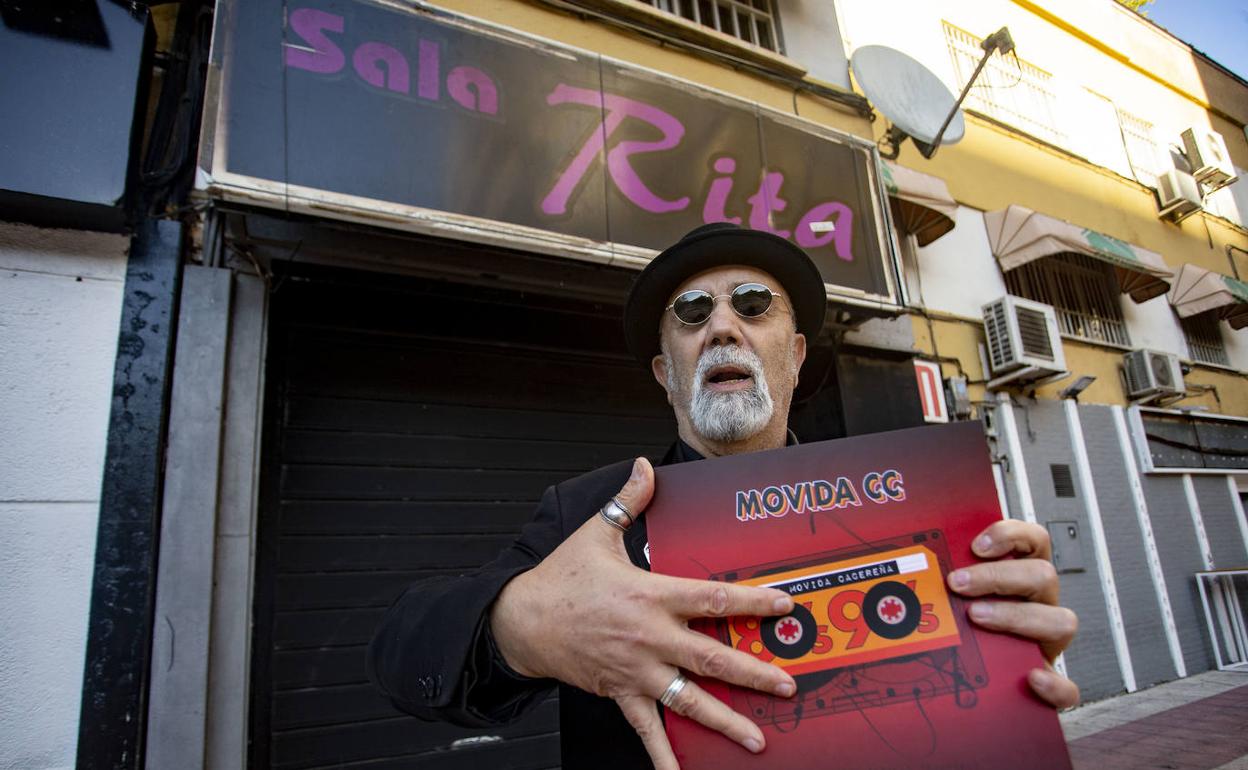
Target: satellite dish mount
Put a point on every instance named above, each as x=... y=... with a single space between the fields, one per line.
x=913 y=99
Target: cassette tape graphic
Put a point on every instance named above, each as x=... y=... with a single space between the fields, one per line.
x=871 y=625
x=858 y=610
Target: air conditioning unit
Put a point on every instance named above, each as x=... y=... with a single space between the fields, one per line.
x=1206 y=152
x=1152 y=375
x=1022 y=335
x=1178 y=195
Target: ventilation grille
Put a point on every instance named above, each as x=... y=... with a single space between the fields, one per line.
x=997 y=331
x=1137 y=372
x=1063 y=482
x=1034 y=333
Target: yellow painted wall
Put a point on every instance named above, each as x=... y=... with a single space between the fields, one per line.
x=993 y=167
x=961 y=340
x=544 y=21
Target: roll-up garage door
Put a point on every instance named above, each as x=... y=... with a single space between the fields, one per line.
x=411 y=426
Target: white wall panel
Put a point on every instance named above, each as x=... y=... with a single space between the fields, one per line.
x=56 y=363
x=1154 y=325
x=813 y=38
x=45 y=589
x=1236 y=346
x=60 y=305
x=958 y=271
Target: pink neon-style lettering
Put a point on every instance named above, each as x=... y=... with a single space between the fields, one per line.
x=841 y=237
x=556 y=201
x=311 y=25
x=767 y=201
x=473 y=89
x=430 y=70
x=622 y=172
x=717 y=196
x=619 y=169
x=368 y=60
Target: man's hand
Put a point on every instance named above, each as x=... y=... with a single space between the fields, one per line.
x=1032 y=578
x=587 y=617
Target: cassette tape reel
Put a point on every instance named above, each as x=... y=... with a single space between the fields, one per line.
x=791 y=636
x=891 y=609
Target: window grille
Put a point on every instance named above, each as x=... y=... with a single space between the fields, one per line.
x=1137 y=136
x=1204 y=338
x=1083 y=291
x=1009 y=90
x=753 y=21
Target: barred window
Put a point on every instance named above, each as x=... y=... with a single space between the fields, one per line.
x=1137 y=137
x=1204 y=338
x=753 y=21
x=1009 y=90
x=1083 y=292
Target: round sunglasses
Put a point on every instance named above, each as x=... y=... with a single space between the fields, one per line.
x=749 y=300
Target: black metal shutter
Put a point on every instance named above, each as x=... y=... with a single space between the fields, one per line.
x=410 y=427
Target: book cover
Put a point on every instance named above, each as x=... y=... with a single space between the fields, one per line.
x=861 y=532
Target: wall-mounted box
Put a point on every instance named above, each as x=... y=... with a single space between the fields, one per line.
x=73 y=96
x=1067 y=550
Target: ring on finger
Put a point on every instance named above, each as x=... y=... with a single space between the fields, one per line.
x=673 y=690
x=616 y=514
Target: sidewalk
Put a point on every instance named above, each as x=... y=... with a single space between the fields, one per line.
x=1197 y=723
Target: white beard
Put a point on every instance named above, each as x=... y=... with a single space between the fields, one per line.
x=727 y=417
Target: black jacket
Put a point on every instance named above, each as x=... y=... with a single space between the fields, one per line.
x=434 y=658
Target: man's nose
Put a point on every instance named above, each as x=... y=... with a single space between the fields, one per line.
x=724 y=325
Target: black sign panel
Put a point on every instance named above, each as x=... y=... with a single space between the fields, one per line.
x=397 y=106
x=1195 y=441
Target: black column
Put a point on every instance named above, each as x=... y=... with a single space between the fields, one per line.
x=119 y=636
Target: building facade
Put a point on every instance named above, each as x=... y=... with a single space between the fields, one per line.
x=383 y=315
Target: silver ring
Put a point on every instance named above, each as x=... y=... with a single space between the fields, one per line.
x=673 y=690
x=617 y=515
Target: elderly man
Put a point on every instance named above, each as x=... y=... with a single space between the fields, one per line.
x=722 y=318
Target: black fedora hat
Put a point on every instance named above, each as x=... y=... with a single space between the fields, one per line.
x=713 y=245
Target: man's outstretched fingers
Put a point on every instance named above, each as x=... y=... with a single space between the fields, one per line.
x=1010 y=536
x=690 y=598
x=642 y=714
x=1052 y=627
x=1031 y=579
x=705 y=656
x=692 y=702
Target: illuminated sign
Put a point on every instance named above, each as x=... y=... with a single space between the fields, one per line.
x=414 y=119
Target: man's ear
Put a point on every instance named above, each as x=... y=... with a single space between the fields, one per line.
x=658 y=366
x=799 y=355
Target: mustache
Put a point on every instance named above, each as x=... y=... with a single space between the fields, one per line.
x=732 y=355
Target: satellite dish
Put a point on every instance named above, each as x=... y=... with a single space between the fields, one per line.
x=910 y=95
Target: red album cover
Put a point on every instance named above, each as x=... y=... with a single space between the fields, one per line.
x=861 y=532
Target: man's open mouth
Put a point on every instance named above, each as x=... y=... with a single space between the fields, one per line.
x=728 y=375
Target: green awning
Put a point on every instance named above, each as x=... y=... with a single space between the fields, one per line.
x=1019 y=235
x=1197 y=290
x=921 y=204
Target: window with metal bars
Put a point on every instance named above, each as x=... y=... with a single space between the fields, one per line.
x=1083 y=291
x=1204 y=338
x=1009 y=89
x=753 y=21
x=1137 y=136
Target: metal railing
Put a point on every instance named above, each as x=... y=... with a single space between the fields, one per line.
x=1083 y=291
x=1009 y=89
x=1204 y=339
x=1137 y=136
x=753 y=21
